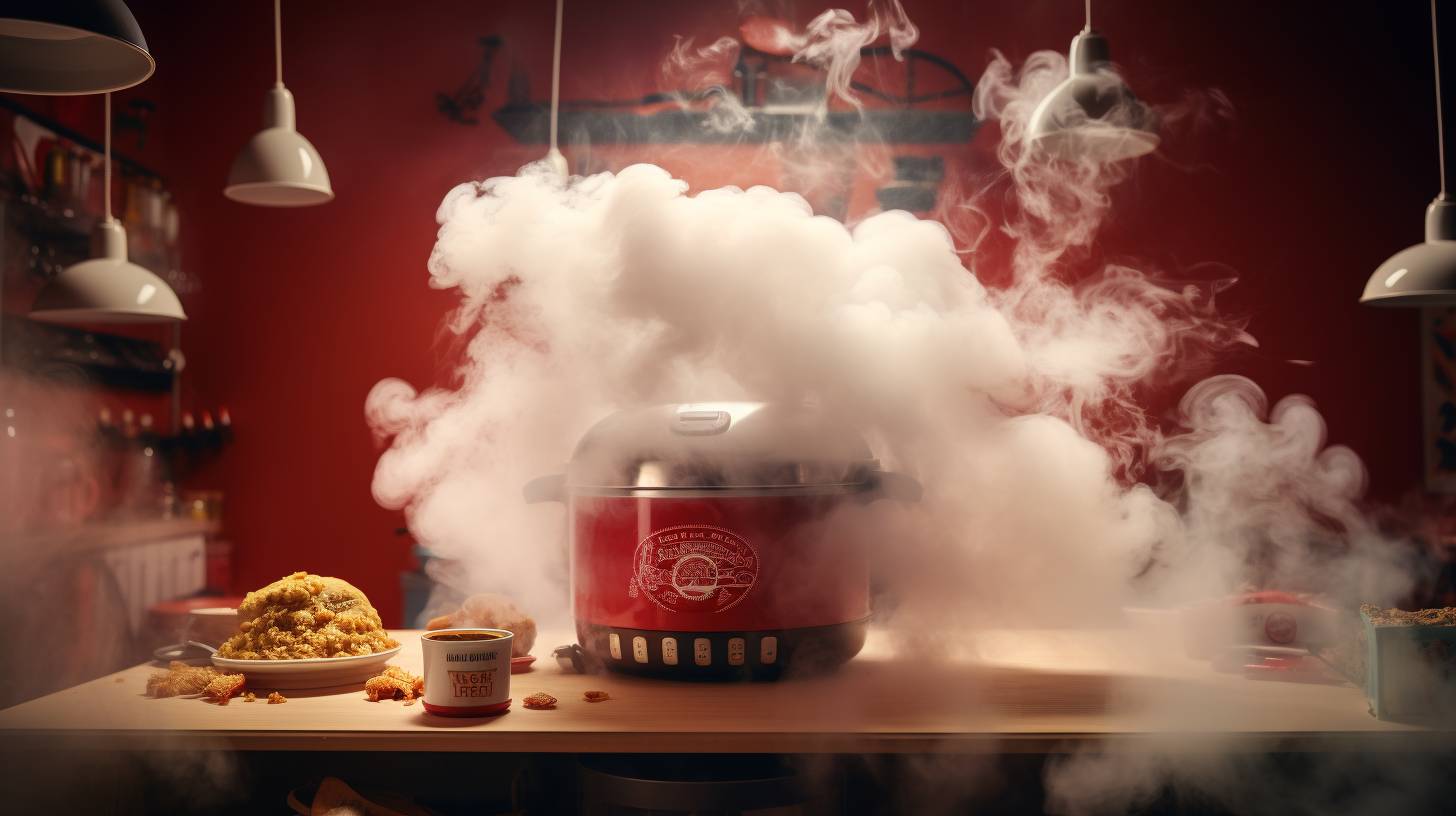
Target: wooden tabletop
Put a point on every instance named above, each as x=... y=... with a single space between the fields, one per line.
x=999 y=691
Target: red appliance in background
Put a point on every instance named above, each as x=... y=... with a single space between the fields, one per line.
x=1267 y=618
x=718 y=539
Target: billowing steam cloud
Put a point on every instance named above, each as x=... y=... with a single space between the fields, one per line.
x=1015 y=407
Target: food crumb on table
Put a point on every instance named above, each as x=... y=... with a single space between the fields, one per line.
x=180 y=679
x=392 y=684
x=275 y=697
x=224 y=687
x=540 y=701
x=249 y=697
x=595 y=696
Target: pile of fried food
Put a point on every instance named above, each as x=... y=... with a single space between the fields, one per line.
x=1443 y=616
x=488 y=611
x=206 y=682
x=394 y=683
x=305 y=616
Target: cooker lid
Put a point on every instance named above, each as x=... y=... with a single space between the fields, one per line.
x=720 y=445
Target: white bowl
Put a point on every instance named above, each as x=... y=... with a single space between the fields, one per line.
x=312 y=672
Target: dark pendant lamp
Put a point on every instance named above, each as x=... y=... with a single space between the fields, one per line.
x=1424 y=274
x=1092 y=114
x=67 y=47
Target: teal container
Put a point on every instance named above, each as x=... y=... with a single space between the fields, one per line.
x=1410 y=672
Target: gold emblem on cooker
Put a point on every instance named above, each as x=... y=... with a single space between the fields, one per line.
x=694 y=568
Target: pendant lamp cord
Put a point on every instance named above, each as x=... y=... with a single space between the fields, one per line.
x=106 y=161
x=556 y=74
x=1089 y=15
x=278 y=41
x=1440 y=116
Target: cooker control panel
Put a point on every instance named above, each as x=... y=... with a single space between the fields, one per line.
x=760 y=654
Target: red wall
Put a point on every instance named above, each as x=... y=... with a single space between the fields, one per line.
x=1323 y=173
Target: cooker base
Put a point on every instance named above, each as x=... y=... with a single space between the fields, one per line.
x=765 y=654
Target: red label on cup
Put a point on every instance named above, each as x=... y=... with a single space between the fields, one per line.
x=473 y=683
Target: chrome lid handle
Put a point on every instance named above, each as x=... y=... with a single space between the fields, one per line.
x=700 y=421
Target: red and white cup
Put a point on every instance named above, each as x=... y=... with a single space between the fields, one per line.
x=465 y=677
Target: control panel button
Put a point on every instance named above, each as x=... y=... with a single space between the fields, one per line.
x=669 y=651
x=768 y=650
x=614 y=645
x=639 y=649
x=735 y=651
x=702 y=651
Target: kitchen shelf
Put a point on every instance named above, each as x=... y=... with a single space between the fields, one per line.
x=114 y=534
x=67 y=354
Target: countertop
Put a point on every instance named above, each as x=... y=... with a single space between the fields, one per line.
x=1000 y=691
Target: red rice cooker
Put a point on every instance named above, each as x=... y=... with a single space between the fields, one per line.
x=702 y=540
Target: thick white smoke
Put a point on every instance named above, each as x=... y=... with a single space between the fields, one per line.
x=1015 y=407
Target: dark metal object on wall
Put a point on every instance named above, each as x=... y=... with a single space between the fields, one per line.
x=529 y=125
x=917 y=179
x=463 y=106
x=780 y=109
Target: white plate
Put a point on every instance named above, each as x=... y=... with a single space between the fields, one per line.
x=313 y=672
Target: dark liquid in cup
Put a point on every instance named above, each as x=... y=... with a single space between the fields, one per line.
x=459 y=636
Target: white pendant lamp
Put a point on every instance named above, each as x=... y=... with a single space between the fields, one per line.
x=67 y=47
x=107 y=288
x=554 y=159
x=1424 y=274
x=279 y=167
x=1092 y=113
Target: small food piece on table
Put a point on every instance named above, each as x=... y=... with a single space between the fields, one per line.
x=416 y=683
x=179 y=679
x=489 y=611
x=410 y=701
x=249 y=697
x=392 y=684
x=595 y=696
x=224 y=687
x=539 y=701
x=275 y=697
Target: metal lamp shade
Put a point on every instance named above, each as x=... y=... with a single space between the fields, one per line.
x=1092 y=114
x=279 y=167
x=107 y=289
x=1420 y=275
x=67 y=47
